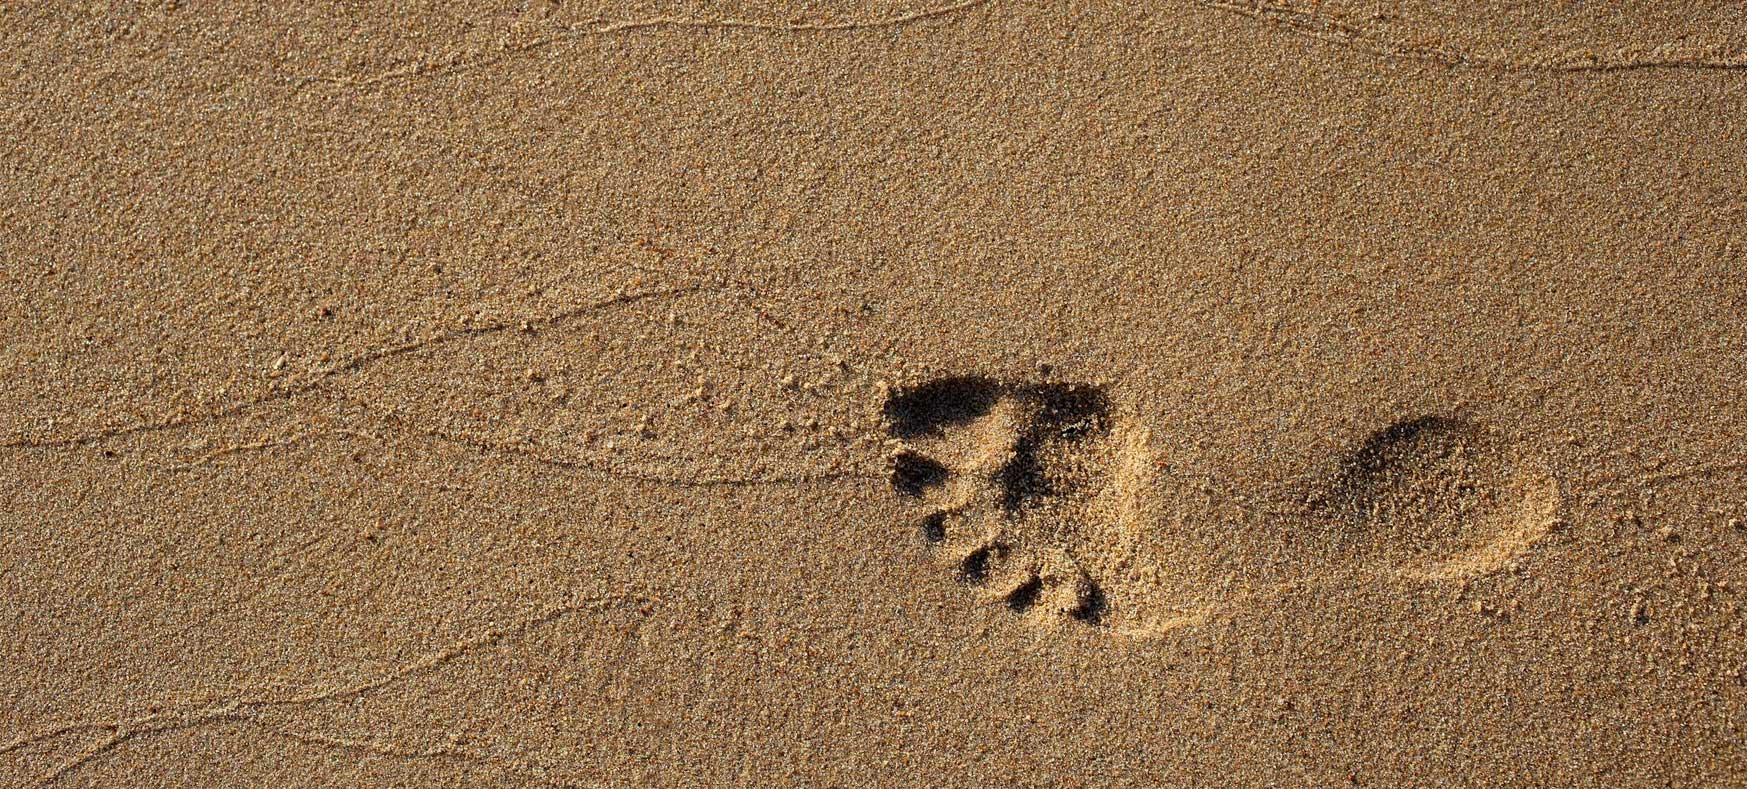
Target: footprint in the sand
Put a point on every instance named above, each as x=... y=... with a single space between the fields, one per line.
x=1009 y=469
x=1038 y=496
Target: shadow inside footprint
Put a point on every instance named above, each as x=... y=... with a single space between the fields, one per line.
x=937 y=405
x=912 y=474
x=1382 y=467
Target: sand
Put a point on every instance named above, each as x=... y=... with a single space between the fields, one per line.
x=873 y=393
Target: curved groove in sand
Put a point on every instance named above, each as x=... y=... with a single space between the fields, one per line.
x=1338 y=31
x=627 y=472
x=426 y=66
x=357 y=361
x=1286 y=16
x=247 y=708
x=351 y=363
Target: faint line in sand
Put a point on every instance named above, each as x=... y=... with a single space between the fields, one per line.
x=261 y=445
x=502 y=451
x=741 y=294
x=1655 y=475
x=687 y=480
x=247 y=709
x=281 y=391
x=1298 y=21
x=427 y=67
x=1334 y=30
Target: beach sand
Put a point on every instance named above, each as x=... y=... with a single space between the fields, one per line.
x=873 y=394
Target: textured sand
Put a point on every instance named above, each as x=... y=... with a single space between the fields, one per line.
x=881 y=393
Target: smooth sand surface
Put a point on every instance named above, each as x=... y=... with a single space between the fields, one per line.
x=856 y=394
